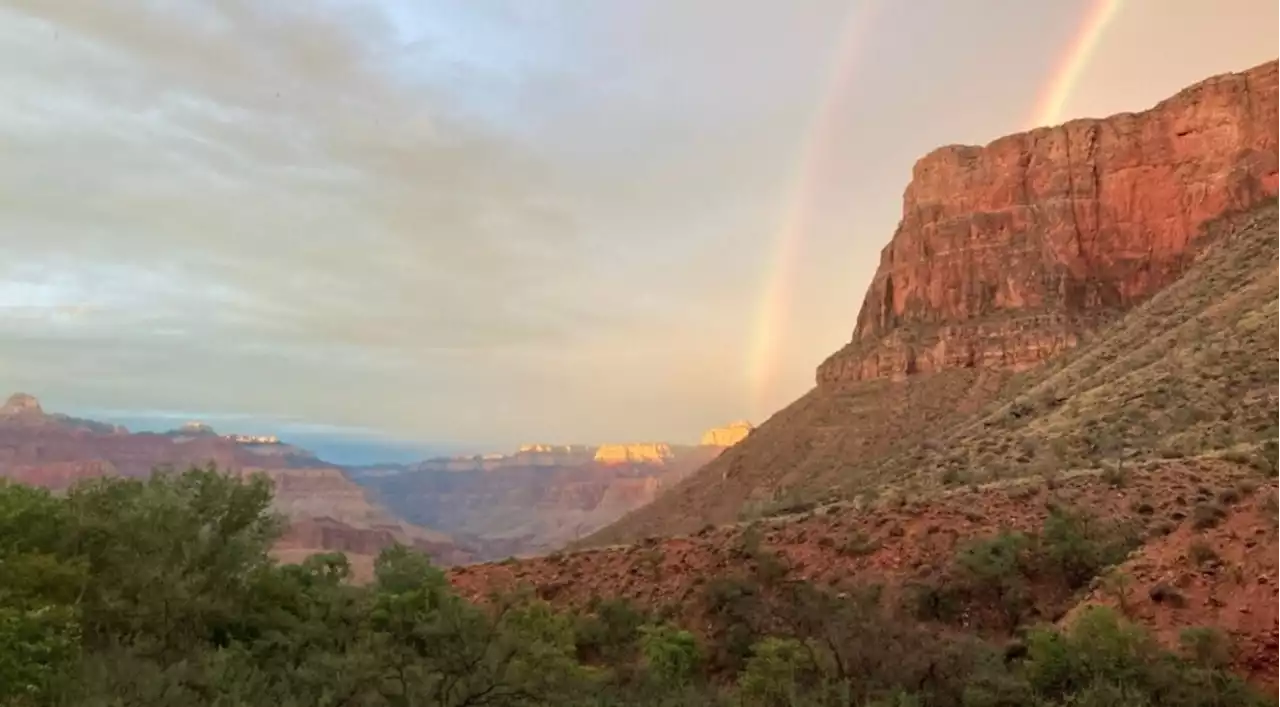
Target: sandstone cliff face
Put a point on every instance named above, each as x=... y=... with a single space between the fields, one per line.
x=650 y=453
x=1007 y=253
x=728 y=435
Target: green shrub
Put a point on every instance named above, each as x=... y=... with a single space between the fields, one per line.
x=1207 y=515
x=1206 y=646
x=776 y=673
x=1079 y=546
x=671 y=654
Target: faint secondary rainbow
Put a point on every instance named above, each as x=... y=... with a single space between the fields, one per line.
x=1048 y=108
x=796 y=221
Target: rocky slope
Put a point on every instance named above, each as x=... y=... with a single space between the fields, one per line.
x=1006 y=255
x=1165 y=421
x=542 y=496
x=905 y=543
x=325 y=509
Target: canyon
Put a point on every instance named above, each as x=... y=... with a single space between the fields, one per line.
x=325 y=511
x=1006 y=256
x=457 y=509
x=542 y=495
x=1078 y=319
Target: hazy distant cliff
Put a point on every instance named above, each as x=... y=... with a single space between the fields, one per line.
x=542 y=495
x=326 y=510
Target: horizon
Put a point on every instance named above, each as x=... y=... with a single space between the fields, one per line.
x=347 y=446
x=279 y=201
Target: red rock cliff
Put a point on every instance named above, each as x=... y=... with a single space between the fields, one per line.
x=1005 y=254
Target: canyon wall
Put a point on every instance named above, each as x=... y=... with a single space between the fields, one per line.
x=642 y=453
x=1007 y=253
x=542 y=496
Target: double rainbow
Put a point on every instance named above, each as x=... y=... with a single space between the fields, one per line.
x=798 y=212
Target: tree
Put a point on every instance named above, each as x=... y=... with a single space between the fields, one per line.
x=39 y=586
x=671 y=654
x=776 y=672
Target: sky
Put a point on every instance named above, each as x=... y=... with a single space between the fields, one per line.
x=481 y=223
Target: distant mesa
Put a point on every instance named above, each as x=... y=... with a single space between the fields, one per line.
x=253 y=439
x=23 y=410
x=22 y=405
x=561 y=455
x=553 y=448
x=643 y=453
x=195 y=427
x=728 y=435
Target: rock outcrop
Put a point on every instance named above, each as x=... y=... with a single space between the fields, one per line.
x=728 y=435
x=1006 y=254
x=642 y=453
x=21 y=406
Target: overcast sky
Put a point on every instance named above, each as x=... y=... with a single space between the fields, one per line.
x=485 y=222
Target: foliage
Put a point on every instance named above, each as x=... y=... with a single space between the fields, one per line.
x=671 y=654
x=774 y=672
x=162 y=592
x=1004 y=575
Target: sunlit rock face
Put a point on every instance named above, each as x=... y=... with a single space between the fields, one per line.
x=649 y=452
x=728 y=435
x=1007 y=253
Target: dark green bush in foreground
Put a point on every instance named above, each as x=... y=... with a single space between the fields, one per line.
x=161 y=592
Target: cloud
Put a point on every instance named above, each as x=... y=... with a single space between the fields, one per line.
x=478 y=222
x=254 y=177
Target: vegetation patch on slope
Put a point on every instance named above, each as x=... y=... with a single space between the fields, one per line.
x=162 y=592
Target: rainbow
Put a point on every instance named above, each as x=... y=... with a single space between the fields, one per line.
x=762 y=359
x=1048 y=107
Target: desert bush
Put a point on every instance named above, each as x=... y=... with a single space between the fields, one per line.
x=671 y=654
x=1206 y=646
x=1079 y=546
x=1207 y=515
x=1201 y=553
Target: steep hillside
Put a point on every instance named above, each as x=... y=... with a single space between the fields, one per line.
x=542 y=496
x=1013 y=254
x=326 y=510
x=1204 y=530
x=1190 y=371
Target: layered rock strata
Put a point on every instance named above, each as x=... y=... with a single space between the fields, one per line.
x=1006 y=254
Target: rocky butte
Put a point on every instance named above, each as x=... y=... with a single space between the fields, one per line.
x=728 y=435
x=636 y=453
x=1006 y=254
